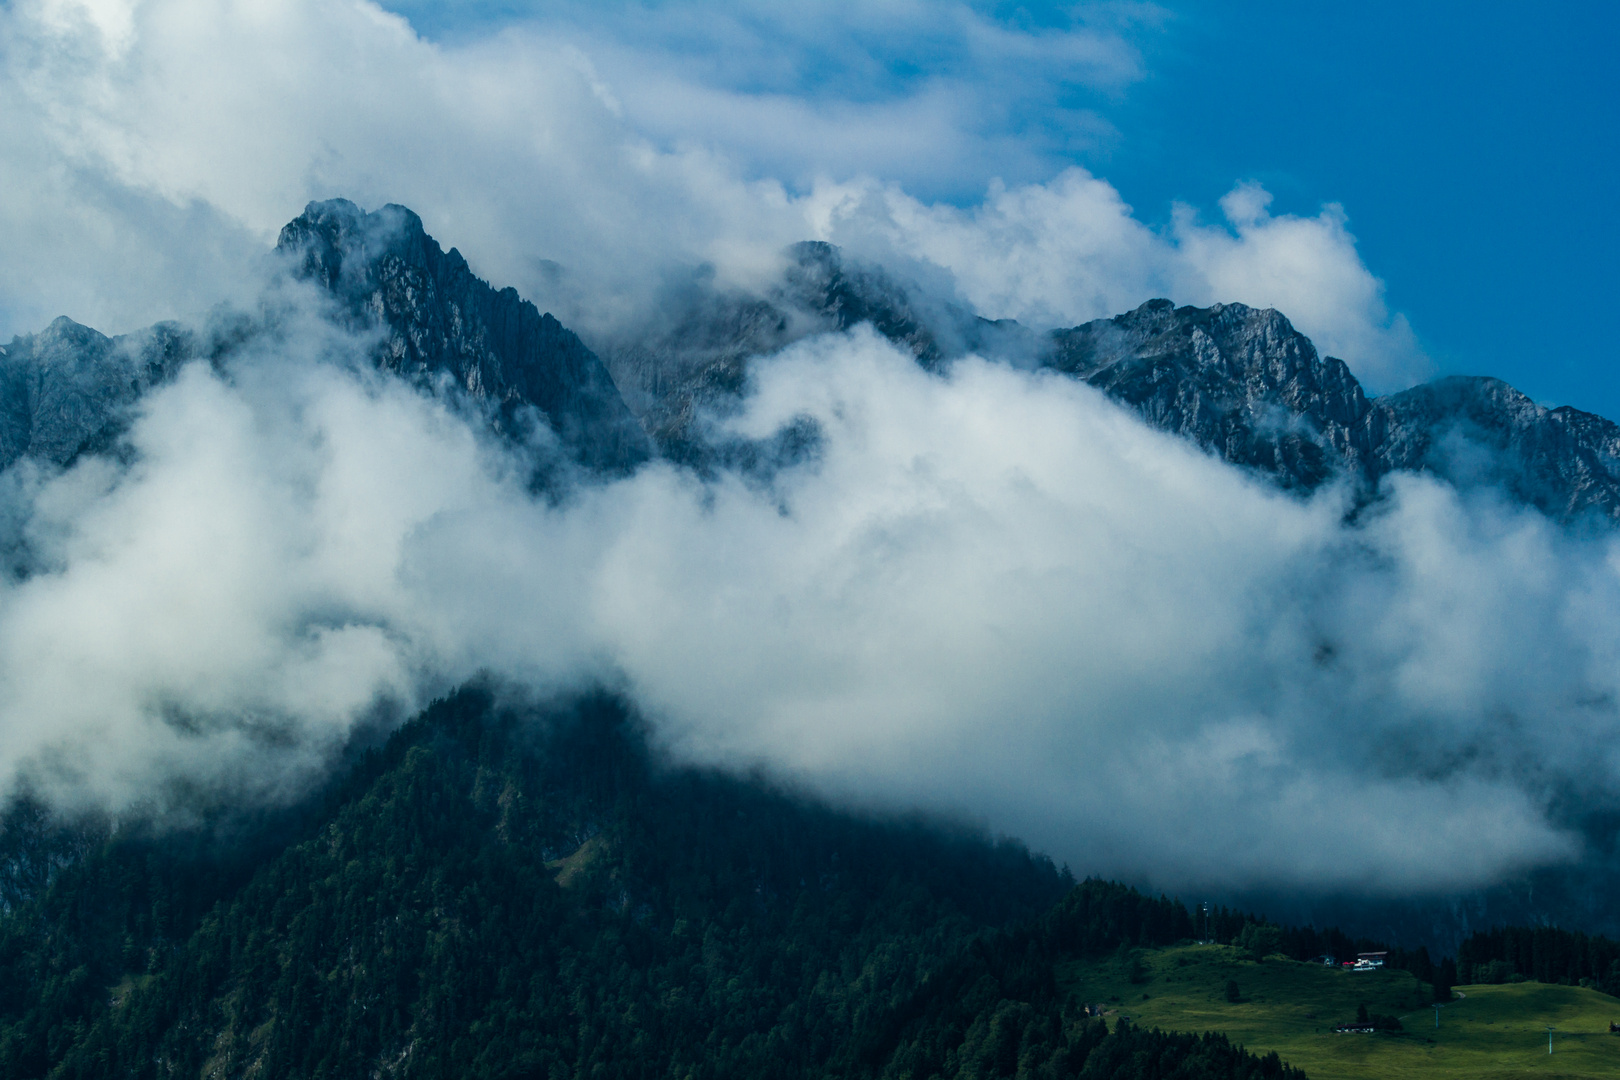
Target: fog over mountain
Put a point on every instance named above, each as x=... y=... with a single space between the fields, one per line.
x=916 y=505
x=965 y=584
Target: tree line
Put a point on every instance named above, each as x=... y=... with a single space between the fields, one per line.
x=499 y=893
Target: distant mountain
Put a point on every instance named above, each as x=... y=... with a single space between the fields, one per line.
x=1241 y=382
x=66 y=390
x=442 y=321
x=1246 y=385
x=1238 y=381
x=690 y=356
x=506 y=895
x=510 y=895
x=1478 y=431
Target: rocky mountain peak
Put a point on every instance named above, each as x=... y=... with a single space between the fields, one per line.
x=64 y=335
x=1480 y=432
x=66 y=390
x=820 y=280
x=441 y=321
x=1242 y=382
x=1237 y=380
x=331 y=236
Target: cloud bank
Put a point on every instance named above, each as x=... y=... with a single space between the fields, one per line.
x=992 y=594
x=934 y=96
x=176 y=133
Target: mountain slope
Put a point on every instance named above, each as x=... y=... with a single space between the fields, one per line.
x=507 y=891
x=1240 y=382
x=1478 y=431
x=691 y=355
x=517 y=892
x=67 y=389
x=501 y=893
x=1246 y=385
x=442 y=321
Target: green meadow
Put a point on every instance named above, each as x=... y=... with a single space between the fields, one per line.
x=1496 y=1032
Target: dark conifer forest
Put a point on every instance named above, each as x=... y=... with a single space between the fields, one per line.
x=526 y=892
x=512 y=893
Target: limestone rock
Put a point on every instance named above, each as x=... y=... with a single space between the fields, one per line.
x=440 y=319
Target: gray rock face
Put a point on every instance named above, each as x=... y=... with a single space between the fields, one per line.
x=1240 y=382
x=692 y=355
x=1478 y=431
x=67 y=390
x=441 y=320
x=842 y=295
x=1248 y=386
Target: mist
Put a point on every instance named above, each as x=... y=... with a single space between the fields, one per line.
x=989 y=594
x=149 y=145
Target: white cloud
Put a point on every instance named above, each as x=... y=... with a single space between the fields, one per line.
x=1307 y=268
x=1069 y=250
x=506 y=146
x=994 y=594
x=771 y=88
x=1000 y=595
x=169 y=126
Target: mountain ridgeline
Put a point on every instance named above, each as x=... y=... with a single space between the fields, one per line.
x=503 y=892
x=1248 y=386
x=514 y=891
x=517 y=891
x=440 y=321
x=1242 y=383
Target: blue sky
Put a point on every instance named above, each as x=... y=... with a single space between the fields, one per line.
x=1465 y=156
x=1472 y=146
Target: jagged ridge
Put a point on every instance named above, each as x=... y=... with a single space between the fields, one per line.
x=1244 y=383
x=443 y=320
x=65 y=391
x=1239 y=381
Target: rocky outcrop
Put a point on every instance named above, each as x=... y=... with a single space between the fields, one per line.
x=441 y=321
x=1238 y=381
x=1478 y=431
x=67 y=390
x=690 y=357
x=843 y=294
x=1243 y=383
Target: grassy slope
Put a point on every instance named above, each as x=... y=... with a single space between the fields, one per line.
x=1495 y=1031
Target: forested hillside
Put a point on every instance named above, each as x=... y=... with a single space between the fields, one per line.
x=1542 y=953
x=522 y=892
